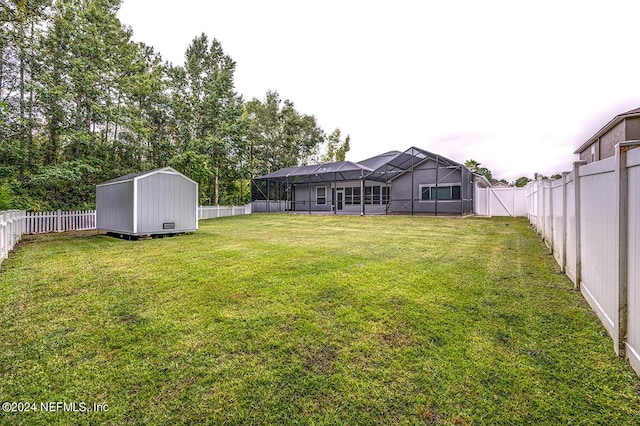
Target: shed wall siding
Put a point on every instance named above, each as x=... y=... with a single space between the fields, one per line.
x=165 y=197
x=114 y=207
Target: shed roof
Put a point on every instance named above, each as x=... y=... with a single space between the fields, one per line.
x=617 y=119
x=142 y=174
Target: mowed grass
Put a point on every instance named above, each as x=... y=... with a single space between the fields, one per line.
x=294 y=319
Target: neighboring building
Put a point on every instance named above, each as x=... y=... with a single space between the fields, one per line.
x=624 y=127
x=161 y=201
x=413 y=181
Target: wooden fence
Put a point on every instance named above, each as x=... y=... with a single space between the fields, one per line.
x=590 y=220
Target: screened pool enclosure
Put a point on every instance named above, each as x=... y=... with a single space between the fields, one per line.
x=411 y=182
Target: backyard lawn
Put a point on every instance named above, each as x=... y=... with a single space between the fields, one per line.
x=296 y=319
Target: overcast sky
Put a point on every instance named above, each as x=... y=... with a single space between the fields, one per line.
x=515 y=85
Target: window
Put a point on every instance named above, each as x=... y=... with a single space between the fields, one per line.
x=376 y=195
x=356 y=195
x=348 y=196
x=368 y=192
x=386 y=194
x=321 y=195
x=428 y=192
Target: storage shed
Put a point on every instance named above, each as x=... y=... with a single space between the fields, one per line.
x=156 y=202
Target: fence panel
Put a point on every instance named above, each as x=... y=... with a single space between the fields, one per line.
x=60 y=221
x=598 y=240
x=633 y=262
x=570 y=230
x=210 y=212
x=501 y=201
x=557 y=220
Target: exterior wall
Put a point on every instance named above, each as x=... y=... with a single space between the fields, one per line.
x=114 y=207
x=586 y=154
x=632 y=131
x=609 y=140
x=301 y=202
x=405 y=190
x=165 y=198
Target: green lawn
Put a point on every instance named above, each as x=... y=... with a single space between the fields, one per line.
x=294 y=319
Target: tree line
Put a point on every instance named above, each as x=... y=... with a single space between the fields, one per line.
x=81 y=103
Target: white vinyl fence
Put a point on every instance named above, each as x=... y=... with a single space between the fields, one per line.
x=590 y=220
x=501 y=202
x=60 y=221
x=209 y=212
x=11 y=230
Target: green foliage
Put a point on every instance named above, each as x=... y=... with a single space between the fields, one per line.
x=336 y=147
x=278 y=135
x=197 y=167
x=80 y=102
x=476 y=168
x=521 y=182
x=5 y=197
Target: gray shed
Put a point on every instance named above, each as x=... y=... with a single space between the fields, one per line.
x=161 y=201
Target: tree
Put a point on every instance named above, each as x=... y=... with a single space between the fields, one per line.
x=278 y=135
x=336 y=149
x=209 y=112
x=521 y=182
x=476 y=168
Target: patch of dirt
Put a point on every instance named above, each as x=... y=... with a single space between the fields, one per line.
x=320 y=359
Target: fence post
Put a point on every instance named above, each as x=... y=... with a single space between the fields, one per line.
x=552 y=241
x=3 y=240
x=576 y=188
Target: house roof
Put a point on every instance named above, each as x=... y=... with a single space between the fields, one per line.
x=379 y=160
x=133 y=176
x=319 y=172
x=382 y=167
x=614 y=122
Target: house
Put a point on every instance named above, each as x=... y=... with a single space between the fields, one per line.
x=412 y=182
x=155 y=202
x=623 y=127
